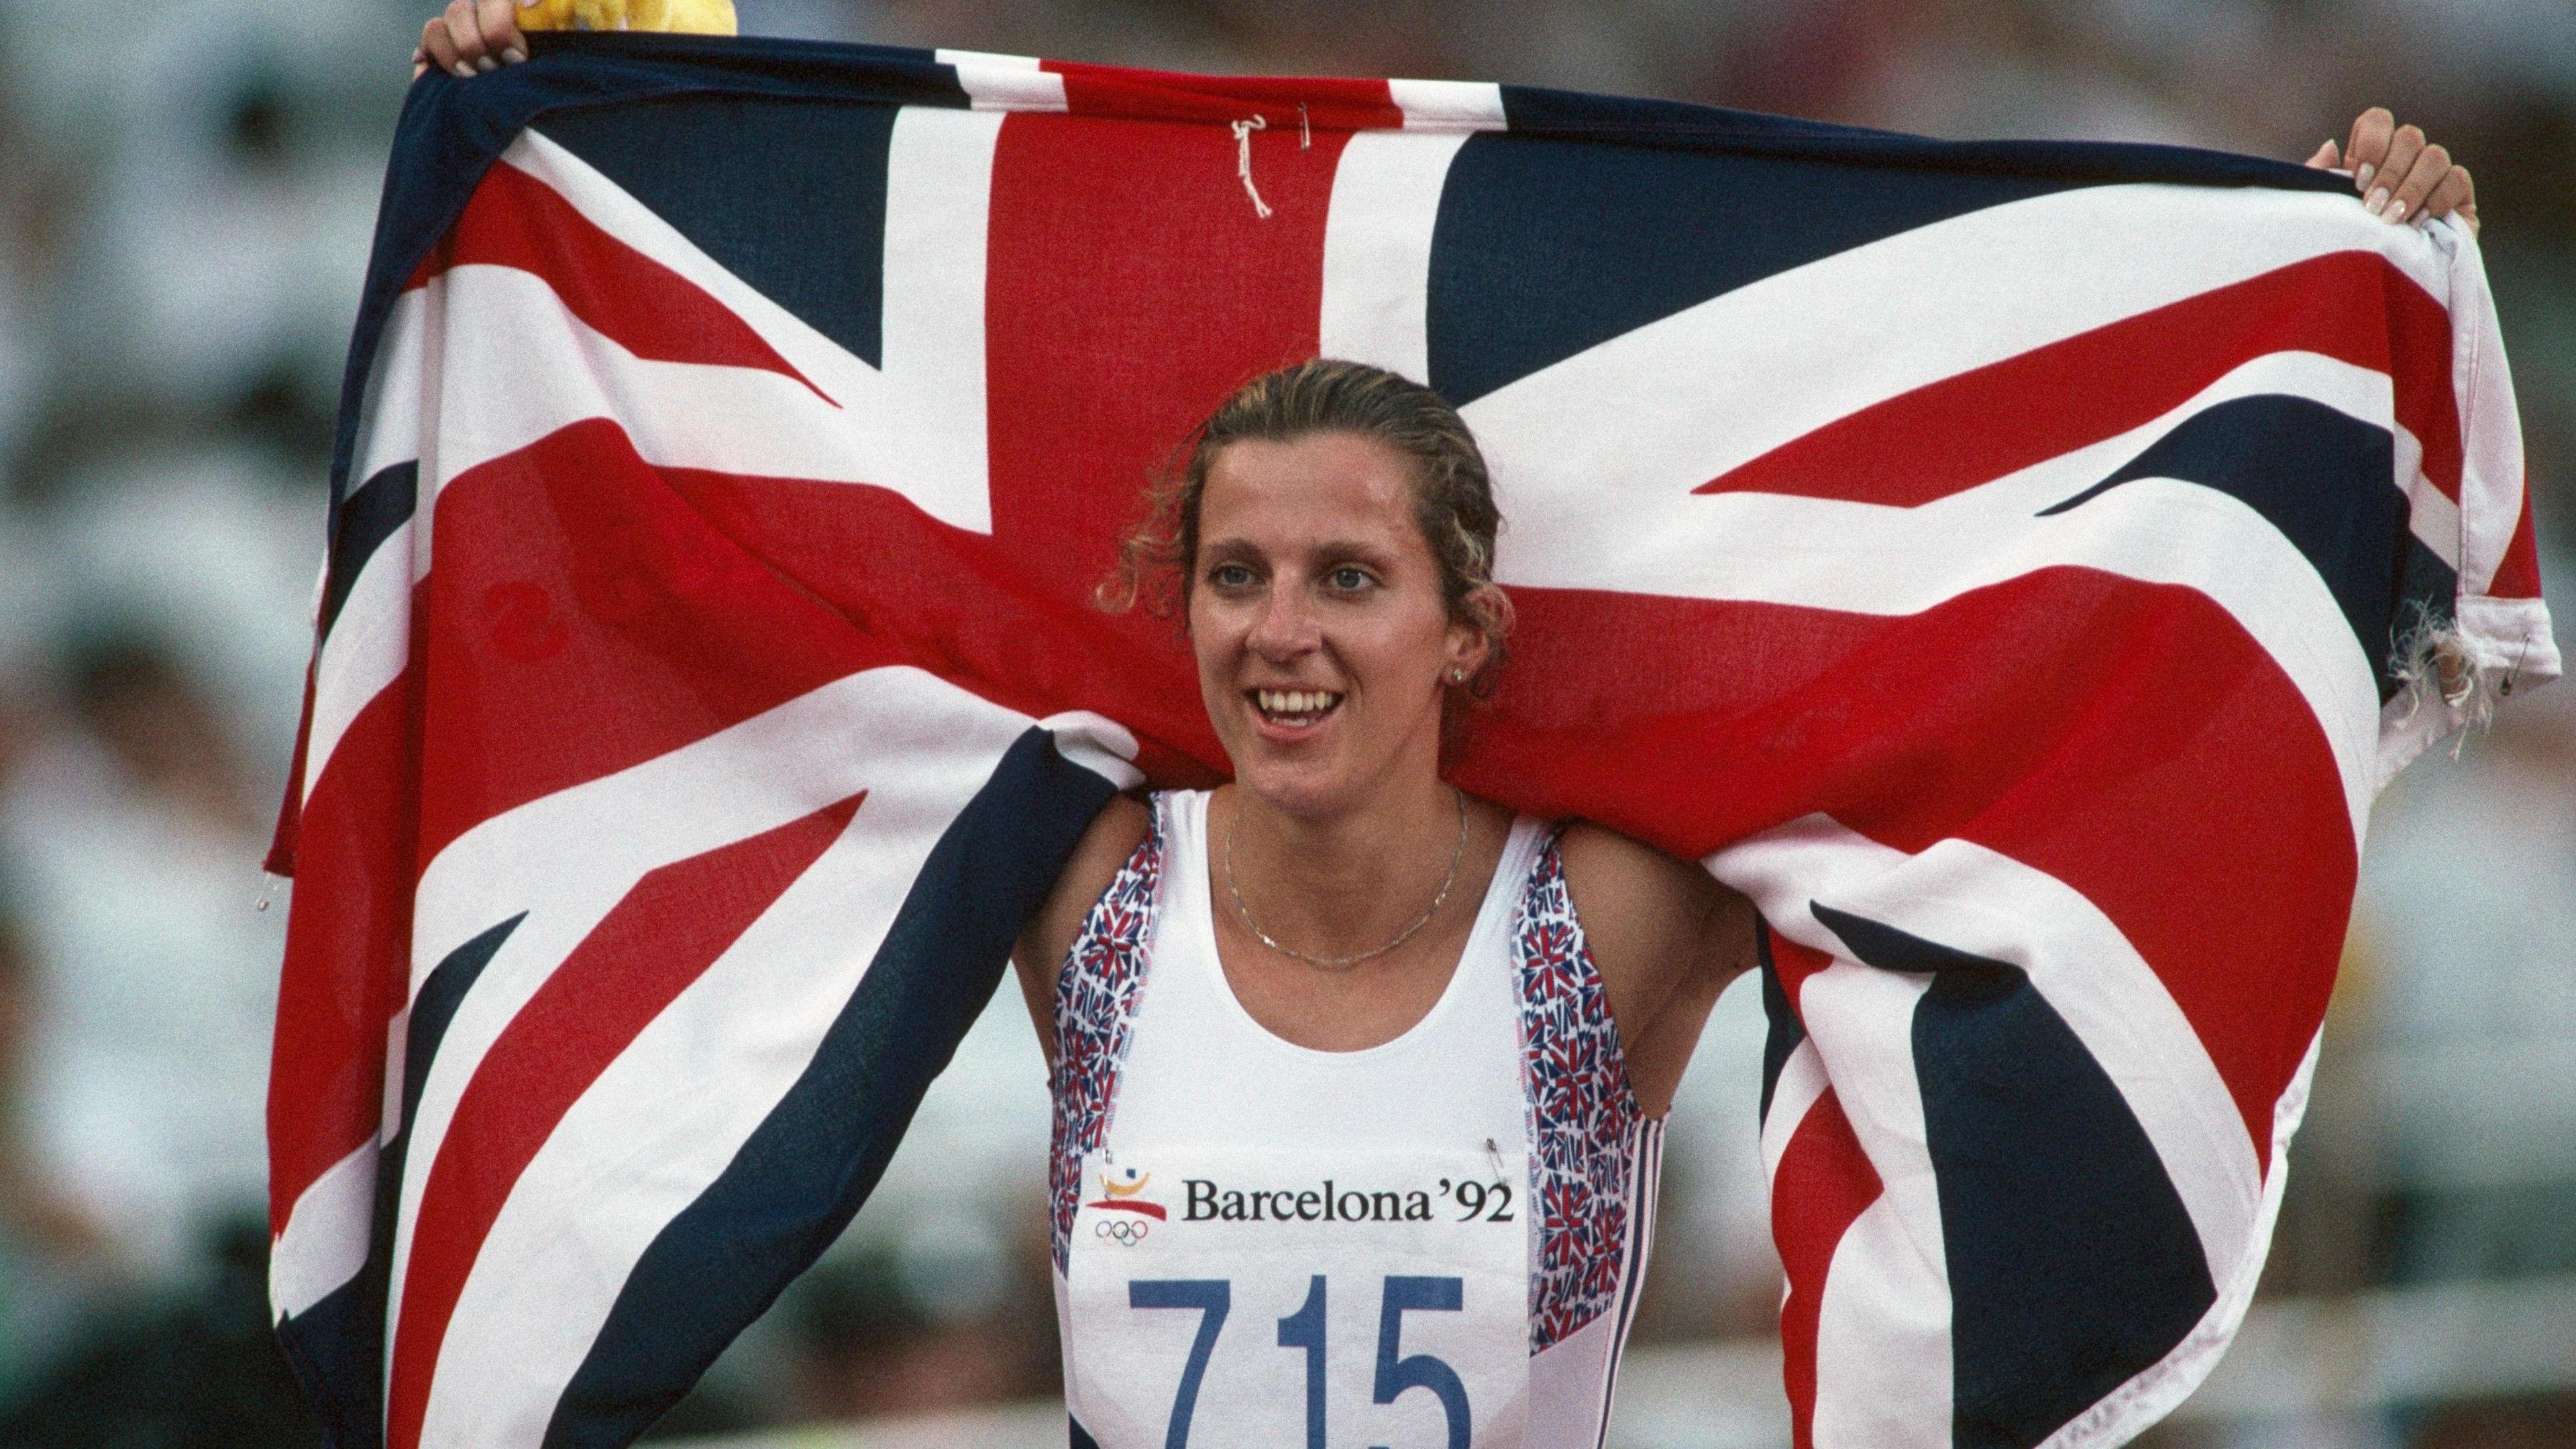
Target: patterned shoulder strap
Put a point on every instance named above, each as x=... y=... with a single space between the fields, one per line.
x=1583 y=1118
x=1096 y=992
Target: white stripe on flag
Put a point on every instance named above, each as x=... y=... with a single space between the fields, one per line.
x=917 y=423
x=1447 y=105
x=1802 y=1083
x=1377 y=248
x=370 y=644
x=327 y=1234
x=1719 y=384
x=655 y=1129
x=2132 y=1408
x=2491 y=463
x=1005 y=82
x=1972 y=899
x=2430 y=514
x=567 y=859
x=512 y=385
x=1097 y=743
x=1580 y=529
x=1883 y=1321
x=367 y=649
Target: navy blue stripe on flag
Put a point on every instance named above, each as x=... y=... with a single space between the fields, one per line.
x=1636 y=121
x=367 y=518
x=452 y=130
x=788 y=195
x=1546 y=248
x=435 y=1006
x=2073 y=1264
x=2326 y=480
x=336 y=1346
x=1783 y=1030
x=804 y=1171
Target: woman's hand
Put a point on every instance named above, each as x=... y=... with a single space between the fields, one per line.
x=2399 y=176
x=471 y=37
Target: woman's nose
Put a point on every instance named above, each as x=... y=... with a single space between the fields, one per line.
x=1286 y=624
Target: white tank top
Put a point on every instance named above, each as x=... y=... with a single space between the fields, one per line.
x=1435 y=1241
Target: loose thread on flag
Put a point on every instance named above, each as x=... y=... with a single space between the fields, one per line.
x=1305 y=134
x=2435 y=662
x=1243 y=162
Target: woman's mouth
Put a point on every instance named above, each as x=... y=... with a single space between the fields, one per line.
x=1293 y=708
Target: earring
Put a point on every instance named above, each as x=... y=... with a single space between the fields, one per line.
x=1457 y=676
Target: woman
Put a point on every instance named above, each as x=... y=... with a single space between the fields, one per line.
x=1337 y=1050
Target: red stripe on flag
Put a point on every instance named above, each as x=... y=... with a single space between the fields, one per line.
x=1105 y=91
x=280 y=859
x=2147 y=752
x=515 y=220
x=641 y=956
x=1794 y=963
x=348 y=944
x=1140 y=288
x=1980 y=425
x=584 y=618
x=1824 y=1183
x=2517 y=575
x=1030 y=640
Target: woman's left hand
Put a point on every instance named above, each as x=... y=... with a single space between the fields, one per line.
x=2400 y=176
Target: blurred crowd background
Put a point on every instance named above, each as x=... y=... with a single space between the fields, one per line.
x=187 y=189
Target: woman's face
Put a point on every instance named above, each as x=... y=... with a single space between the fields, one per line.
x=1323 y=640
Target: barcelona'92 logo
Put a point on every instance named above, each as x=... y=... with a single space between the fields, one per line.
x=1122 y=1189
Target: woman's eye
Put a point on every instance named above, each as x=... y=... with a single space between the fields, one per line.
x=1230 y=576
x=1347 y=579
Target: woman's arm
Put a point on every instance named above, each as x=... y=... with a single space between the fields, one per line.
x=1114 y=835
x=1668 y=939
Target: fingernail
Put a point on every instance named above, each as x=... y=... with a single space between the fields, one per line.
x=2362 y=174
x=513 y=56
x=464 y=71
x=485 y=65
x=2374 y=201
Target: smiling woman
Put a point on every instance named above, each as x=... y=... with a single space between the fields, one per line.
x=1394 y=999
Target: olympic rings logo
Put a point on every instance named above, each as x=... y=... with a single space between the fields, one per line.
x=1120 y=1231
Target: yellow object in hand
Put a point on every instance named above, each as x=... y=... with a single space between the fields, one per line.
x=694 y=17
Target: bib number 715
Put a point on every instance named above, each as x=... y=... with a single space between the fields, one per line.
x=1397 y=1371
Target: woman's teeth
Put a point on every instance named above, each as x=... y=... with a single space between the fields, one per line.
x=1295 y=706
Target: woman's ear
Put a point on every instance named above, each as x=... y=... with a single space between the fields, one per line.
x=1471 y=639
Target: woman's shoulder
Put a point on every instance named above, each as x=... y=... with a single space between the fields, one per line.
x=1619 y=864
x=1104 y=850
x=1636 y=903
x=1106 y=846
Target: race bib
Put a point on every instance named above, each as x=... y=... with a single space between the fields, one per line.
x=1232 y=1297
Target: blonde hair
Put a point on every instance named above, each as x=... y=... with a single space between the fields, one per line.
x=1453 y=496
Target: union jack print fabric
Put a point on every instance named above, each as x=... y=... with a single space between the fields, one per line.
x=1097 y=993
x=1586 y=1130
x=2015 y=566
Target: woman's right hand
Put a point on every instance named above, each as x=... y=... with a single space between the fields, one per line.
x=471 y=37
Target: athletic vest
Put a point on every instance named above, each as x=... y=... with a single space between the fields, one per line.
x=1436 y=1241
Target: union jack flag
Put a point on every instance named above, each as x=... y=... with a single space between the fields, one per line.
x=2015 y=566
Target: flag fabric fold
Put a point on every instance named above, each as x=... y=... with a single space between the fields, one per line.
x=2016 y=566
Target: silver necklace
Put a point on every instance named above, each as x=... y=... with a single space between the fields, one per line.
x=1339 y=963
